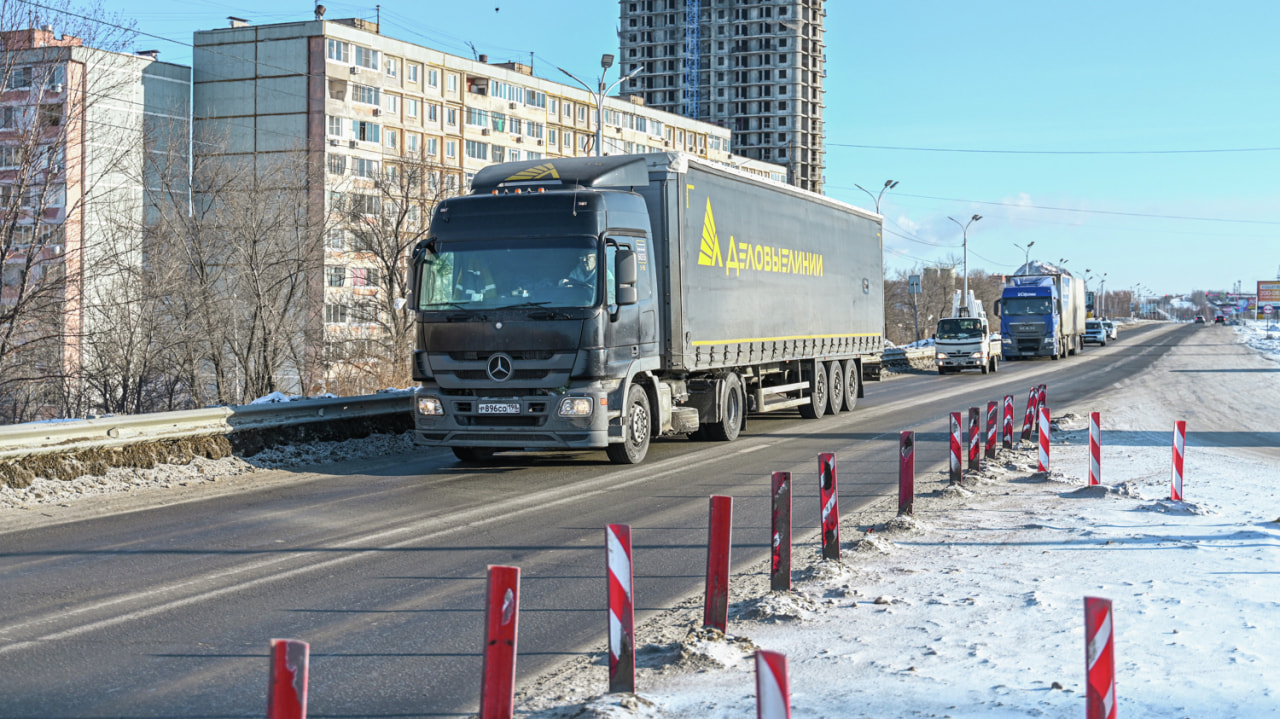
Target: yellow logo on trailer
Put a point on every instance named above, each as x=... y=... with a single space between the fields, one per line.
x=757 y=257
x=545 y=171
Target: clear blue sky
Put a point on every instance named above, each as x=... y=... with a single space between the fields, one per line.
x=1139 y=139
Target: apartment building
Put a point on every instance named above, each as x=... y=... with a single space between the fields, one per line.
x=755 y=67
x=77 y=124
x=370 y=110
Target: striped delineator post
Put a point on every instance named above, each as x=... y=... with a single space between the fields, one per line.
x=1029 y=418
x=906 y=473
x=830 y=495
x=956 y=473
x=715 y=607
x=1095 y=448
x=991 y=430
x=1100 y=659
x=1006 y=434
x=501 y=628
x=287 y=689
x=622 y=612
x=1179 y=453
x=1042 y=399
x=780 y=561
x=773 y=690
x=975 y=439
x=1044 y=438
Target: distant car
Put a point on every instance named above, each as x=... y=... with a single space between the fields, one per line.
x=1220 y=320
x=1095 y=332
x=1110 y=327
x=1199 y=320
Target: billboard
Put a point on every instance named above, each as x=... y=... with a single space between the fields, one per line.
x=1268 y=296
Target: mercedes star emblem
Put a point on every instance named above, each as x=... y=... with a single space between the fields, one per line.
x=499 y=367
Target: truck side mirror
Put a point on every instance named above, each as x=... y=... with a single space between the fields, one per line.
x=627 y=273
x=995 y=307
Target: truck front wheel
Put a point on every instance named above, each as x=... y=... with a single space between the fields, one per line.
x=735 y=406
x=635 y=430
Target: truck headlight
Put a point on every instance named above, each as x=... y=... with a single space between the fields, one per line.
x=977 y=355
x=430 y=406
x=575 y=407
x=1049 y=341
x=942 y=355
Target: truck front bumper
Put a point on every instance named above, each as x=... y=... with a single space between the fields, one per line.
x=1029 y=347
x=574 y=419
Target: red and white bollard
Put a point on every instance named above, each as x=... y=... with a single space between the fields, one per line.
x=975 y=439
x=501 y=628
x=906 y=472
x=773 y=690
x=1006 y=433
x=991 y=430
x=830 y=496
x=1100 y=659
x=287 y=689
x=780 y=561
x=956 y=472
x=1044 y=438
x=622 y=613
x=1179 y=453
x=715 y=609
x=1095 y=448
x=1042 y=400
x=1029 y=418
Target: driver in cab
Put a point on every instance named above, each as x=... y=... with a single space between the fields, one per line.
x=583 y=273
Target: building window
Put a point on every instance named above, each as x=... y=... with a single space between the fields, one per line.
x=392 y=139
x=336 y=239
x=451 y=117
x=451 y=148
x=339 y=51
x=336 y=314
x=412 y=142
x=477 y=117
x=365 y=131
x=433 y=112
x=359 y=277
x=393 y=67
x=366 y=57
x=337 y=276
x=477 y=150
x=391 y=104
x=337 y=164
x=411 y=107
x=335 y=126
x=452 y=83
x=551 y=136
x=364 y=93
x=433 y=77
x=412 y=72
x=433 y=146
x=364 y=167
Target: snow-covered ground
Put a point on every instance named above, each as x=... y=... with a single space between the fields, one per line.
x=975 y=607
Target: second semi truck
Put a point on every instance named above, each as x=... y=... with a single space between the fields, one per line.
x=596 y=303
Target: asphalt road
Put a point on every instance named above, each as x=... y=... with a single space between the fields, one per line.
x=380 y=564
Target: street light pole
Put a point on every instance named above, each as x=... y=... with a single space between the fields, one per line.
x=964 y=230
x=598 y=95
x=888 y=185
x=1026 y=252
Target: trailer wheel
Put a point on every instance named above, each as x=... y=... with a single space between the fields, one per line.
x=735 y=405
x=995 y=363
x=474 y=455
x=817 y=393
x=635 y=430
x=835 y=386
x=851 y=381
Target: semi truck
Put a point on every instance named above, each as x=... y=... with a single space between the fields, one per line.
x=597 y=303
x=1042 y=314
x=964 y=340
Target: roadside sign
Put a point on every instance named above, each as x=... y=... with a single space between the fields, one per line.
x=913 y=284
x=1267 y=310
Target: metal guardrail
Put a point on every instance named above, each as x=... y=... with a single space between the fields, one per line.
x=898 y=354
x=35 y=438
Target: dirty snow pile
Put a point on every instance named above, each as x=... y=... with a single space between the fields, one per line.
x=973 y=607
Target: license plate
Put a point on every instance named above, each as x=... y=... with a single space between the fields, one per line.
x=499 y=408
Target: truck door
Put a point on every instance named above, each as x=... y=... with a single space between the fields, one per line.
x=632 y=329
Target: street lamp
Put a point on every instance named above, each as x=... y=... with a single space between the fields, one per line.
x=1026 y=252
x=888 y=185
x=964 y=230
x=597 y=96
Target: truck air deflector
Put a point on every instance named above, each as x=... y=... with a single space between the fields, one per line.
x=623 y=171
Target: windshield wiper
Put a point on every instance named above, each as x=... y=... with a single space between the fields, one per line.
x=525 y=304
x=443 y=305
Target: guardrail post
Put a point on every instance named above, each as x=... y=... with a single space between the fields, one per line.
x=957 y=475
x=991 y=430
x=773 y=690
x=830 y=495
x=780 y=562
x=502 y=619
x=1095 y=448
x=1043 y=425
x=1100 y=659
x=906 y=473
x=622 y=615
x=1179 y=453
x=1006 y=434
x=287 y=694
x=975 y=439
x=715 y=609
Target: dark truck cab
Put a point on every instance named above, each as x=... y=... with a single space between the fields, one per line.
x=515 y=350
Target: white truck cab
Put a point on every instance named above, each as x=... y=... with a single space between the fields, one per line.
x=964 y=340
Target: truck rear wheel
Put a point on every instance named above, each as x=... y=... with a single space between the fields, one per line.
x=735 y=405
x=635 y=430
x=817 y=393
x=851 y=380
x=995 y=363
x=835 y=386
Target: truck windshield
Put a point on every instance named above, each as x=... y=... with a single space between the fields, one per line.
x=1027 y=306
x=493 y=274
x=959 y=329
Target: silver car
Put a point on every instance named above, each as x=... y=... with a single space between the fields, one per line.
x=1110 y=327
x=1094 y=332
